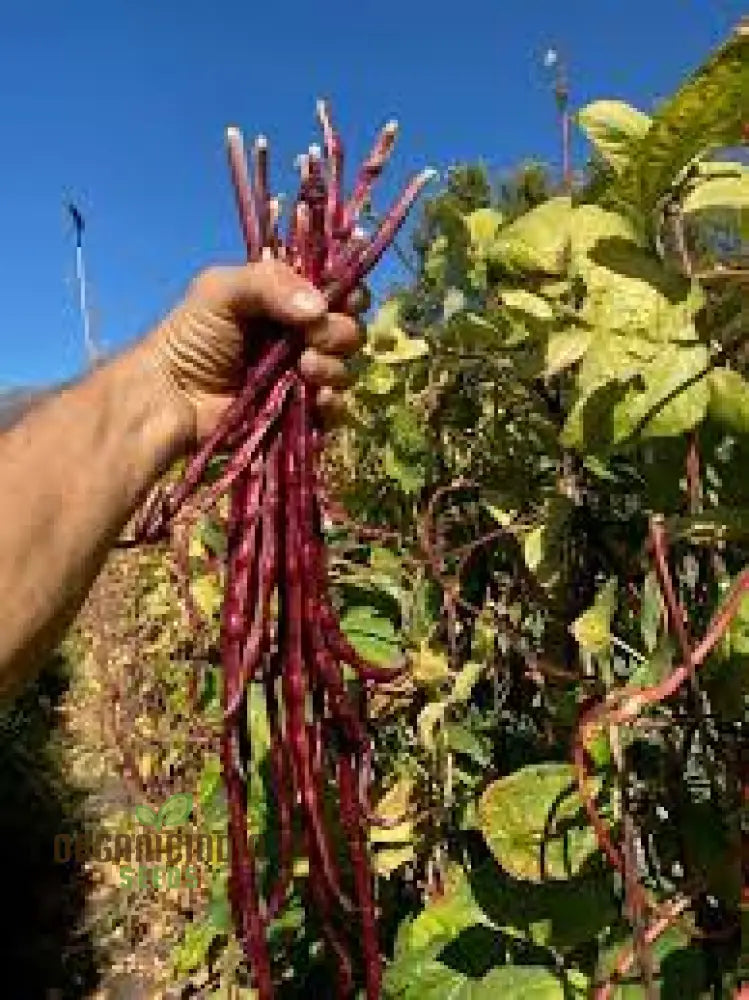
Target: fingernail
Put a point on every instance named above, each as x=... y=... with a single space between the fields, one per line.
x=308 y=302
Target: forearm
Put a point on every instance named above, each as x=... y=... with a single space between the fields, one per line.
x=73 y=471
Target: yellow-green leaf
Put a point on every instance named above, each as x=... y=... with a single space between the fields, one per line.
x=537 y=240
x=729 y=399
x=707 y=112
x=428 y=721
x=613 y=128
x=429 y=666
x=483 y=225
x=534 y=823
x=564 y=348
x=393 y=845
x=528 y=305
x=593 y=628
x=719 y=193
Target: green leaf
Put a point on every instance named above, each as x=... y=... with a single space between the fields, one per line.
x=388 y=343
x=534 y=823
x=212 y=794
x=212 y=536
x=145 y=815
x=537 y=240
x=527 y=982
x=378 y=379
x=533 y=547
x=429 y=666
x=407 y=430
x=465 y=681
x=593 y=627
x=613 y=128
x=442 y=918
x=175 y=810
x=706 y=113
x=474 y=331
x=209 y=780
x=420 y=975
x=393 y=846
x=719 y=193
x=410 y=475
x=461 y=740
x=427 y=722
x=564 y=348
x=657 y=666
x=559 y=915
x=193 y=950
x=591 y=225
x=207 y=593
x=219 y=910
x=483 y=226
x=527 y=305
x=729 y=399
x=372 y=634
x=674 y=400
x=651 y=612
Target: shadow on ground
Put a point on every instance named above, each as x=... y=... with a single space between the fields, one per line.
x=43 y=952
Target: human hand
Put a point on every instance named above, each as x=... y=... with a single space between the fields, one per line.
x=200 y=345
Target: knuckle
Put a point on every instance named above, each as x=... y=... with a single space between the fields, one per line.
x=209 y=282
x=269 y=273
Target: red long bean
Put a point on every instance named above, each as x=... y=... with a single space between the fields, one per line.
x=272 y=442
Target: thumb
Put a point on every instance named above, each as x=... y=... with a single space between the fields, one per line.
x=268 y=289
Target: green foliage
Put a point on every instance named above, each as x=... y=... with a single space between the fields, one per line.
x=534 y=824
x=566 y=360
x=706 y=113
x=614 y=129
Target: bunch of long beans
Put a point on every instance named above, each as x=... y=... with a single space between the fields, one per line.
x=279 y=627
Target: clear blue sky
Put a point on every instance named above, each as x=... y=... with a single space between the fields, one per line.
x=123 y=105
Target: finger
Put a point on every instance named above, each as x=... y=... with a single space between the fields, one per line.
x=335 y=334
x=358 y=301
x=332 y=406
x=324 y=369
x=268 y=288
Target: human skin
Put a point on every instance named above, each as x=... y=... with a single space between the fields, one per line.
x=79 y=463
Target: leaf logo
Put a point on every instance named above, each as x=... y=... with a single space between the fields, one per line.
x=174 y=810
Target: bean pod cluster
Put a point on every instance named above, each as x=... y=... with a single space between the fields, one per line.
x=279 y=628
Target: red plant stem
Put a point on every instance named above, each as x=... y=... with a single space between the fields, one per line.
x=675 y=611
x=342 y=259
x=625 y=705
x=314 y=194
x=668 y=915
x=694 y=480
x=635 y=908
